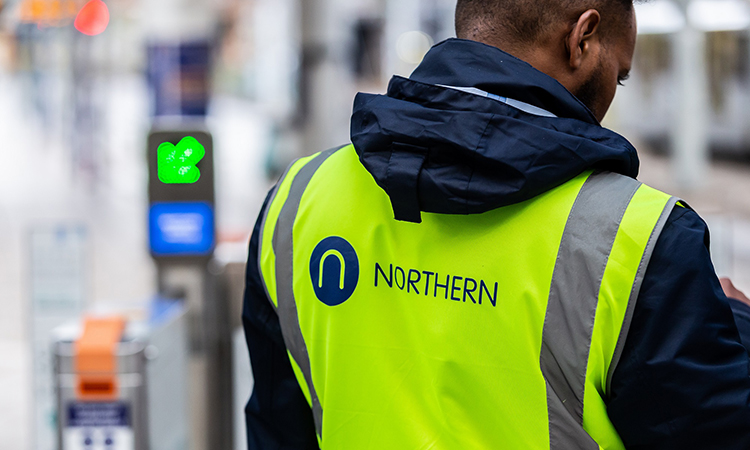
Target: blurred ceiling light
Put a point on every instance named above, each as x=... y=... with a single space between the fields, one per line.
x=412 y=46
x=93 y=18
x=47 y=13
x=659 y=17
x=719 y=15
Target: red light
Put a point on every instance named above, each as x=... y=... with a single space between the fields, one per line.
x=93 y=18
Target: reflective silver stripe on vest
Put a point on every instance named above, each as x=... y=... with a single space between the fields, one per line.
x=263 y=231
x=287 y=308
x=574 y=293
x=637 y=287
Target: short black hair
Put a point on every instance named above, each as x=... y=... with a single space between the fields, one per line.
x=522 y=22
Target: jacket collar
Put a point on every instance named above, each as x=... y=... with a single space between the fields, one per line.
x=460 y=62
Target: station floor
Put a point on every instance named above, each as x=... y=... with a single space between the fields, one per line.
x=40 y=186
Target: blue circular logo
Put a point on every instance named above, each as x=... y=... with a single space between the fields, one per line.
x=334 y=270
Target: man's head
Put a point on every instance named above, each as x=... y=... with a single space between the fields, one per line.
x=587 y=45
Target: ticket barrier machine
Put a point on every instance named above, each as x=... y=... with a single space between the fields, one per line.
x=121 y=384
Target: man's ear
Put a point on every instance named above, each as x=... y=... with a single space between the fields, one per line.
x=583 y=39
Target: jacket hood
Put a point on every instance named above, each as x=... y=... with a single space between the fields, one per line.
x=438 y=149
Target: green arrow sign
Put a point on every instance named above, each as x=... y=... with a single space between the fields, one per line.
x=176 y=164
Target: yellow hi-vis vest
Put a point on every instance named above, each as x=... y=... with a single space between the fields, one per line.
x=498 y=330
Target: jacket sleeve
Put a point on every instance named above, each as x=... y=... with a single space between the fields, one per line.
x=683 y=381
x=277 y=415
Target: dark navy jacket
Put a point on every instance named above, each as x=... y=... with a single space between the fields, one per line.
x=683 y=379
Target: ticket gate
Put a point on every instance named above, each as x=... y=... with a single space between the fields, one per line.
x=121 y=385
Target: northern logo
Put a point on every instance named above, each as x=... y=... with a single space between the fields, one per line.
x=334 y=270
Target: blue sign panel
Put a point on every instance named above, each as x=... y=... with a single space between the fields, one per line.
x=190 y=65
x=98 y=415
x=181 y=229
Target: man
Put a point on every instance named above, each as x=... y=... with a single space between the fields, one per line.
x=481 y=270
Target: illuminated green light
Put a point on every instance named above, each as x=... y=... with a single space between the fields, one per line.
x=176 y=165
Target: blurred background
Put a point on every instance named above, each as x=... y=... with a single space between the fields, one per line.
x=85 y=102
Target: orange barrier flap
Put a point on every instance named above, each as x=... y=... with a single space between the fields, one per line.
x=96 y=359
